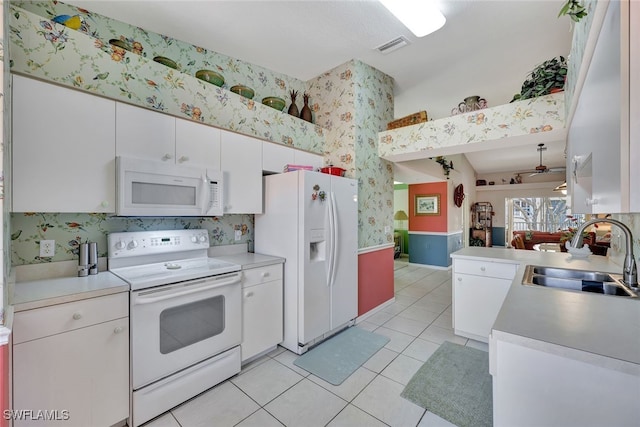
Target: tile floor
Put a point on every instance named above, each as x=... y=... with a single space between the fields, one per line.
x=272 y=391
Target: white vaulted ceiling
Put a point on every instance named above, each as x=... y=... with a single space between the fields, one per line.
x=486 y=47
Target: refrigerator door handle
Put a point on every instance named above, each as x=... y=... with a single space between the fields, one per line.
x=334 y=239
x=331 y=246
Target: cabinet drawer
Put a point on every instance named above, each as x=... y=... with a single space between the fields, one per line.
x=500 y=270
x=259 y=275
x=33 y=324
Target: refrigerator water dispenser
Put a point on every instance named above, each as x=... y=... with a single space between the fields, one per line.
x=317 y=245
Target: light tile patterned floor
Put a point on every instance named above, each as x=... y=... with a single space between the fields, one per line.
x=272 y=391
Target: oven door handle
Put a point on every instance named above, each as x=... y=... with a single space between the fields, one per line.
x=141 y=299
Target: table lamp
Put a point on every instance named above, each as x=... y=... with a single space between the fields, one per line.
x=400 y=216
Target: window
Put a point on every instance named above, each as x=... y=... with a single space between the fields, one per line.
x=540 y=214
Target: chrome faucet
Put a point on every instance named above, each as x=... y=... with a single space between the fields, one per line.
x=629 y=272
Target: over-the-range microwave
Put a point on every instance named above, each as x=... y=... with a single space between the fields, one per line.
x=155 y=188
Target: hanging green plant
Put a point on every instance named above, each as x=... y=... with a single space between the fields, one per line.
x=574 y=9
x=446 y=166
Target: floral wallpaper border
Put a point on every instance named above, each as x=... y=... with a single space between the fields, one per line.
x=530 y=116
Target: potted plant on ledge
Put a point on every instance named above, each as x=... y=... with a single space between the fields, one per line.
x=546 y=78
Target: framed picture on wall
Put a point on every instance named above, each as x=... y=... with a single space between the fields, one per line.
x=427 y=204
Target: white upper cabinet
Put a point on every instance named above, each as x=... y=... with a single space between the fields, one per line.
x=148 y=134
x=197 y=144
x=144 y=134
x=241 y=162
x=305 y=158
x=276 y=156
x=603 y=137
x=63 y=149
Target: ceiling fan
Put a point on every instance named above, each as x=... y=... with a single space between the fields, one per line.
x=540 y=169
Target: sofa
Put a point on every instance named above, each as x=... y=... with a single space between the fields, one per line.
x=531 y=238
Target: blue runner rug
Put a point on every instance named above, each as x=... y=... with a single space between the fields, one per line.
x=341 y=355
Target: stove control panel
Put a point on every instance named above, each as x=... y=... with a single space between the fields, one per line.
x=136 y=243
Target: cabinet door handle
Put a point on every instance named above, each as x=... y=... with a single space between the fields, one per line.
x=482 y=268
x=104 y=204
x=264 y=274
x=77 y=316
x=459 y=279
x=118 y=329
x=248 y=294
x=183 y=159
x=167 y=157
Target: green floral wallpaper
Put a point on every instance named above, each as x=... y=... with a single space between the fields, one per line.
x=354 y=103
x=69 y=230
x=576 y=54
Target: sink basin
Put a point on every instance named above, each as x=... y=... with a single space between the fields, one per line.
x=577 y=280
x=566 y=273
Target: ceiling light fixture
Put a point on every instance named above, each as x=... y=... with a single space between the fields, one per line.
x=421 y=17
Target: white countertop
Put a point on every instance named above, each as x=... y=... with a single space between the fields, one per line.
x=602 y=326
x=238 y=254
x=52 y=283
x=41 y=293
x=250 y=260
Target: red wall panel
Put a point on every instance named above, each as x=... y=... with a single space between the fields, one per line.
x=375 y=279
x=4 y=383
x=434 y=223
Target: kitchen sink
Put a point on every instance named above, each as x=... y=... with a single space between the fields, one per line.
x=577 y=280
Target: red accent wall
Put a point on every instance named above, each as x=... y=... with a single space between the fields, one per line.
x=436 y=223
x=375 y=279
x=4 y=383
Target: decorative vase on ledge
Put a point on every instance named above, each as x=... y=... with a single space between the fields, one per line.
x=305 y=114
x=293 y=108
x=471 y=103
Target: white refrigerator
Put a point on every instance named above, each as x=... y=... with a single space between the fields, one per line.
x=311 y=220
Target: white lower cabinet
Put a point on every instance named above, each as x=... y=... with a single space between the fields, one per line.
x=479 y=289
x=72 y=360
x=262 y=310
x=539 y=384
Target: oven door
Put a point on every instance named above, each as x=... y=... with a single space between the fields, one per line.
x=175 y=326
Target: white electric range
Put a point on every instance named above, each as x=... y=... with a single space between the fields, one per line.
x=185 y=316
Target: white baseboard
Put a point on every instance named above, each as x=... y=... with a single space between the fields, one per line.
x=435 y=267
x=373 y=311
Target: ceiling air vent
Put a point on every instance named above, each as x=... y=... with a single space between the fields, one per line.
x=392 y=45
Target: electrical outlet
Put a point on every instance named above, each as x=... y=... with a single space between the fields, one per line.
x=238 y=234
x=47 y=248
